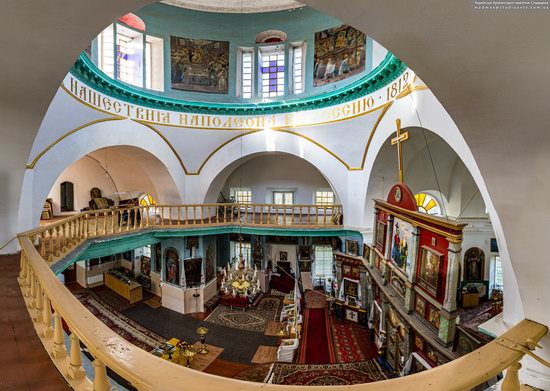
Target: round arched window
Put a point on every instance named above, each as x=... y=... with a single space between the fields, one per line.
x=427 y=204
x=146 y=199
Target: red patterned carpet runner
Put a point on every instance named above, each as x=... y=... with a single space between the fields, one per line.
x=327 y=375
x=347 y=342
x=315 y=299
x=316 y=342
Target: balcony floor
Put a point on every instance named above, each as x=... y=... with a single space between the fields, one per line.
x=24 y=364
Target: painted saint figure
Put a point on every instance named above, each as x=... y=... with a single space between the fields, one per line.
x=172 y=266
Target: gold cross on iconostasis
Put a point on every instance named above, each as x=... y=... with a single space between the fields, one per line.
x=399 y=140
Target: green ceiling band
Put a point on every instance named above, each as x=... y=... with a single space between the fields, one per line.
x=385 y=73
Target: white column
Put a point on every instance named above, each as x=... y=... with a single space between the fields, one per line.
x=451 y=286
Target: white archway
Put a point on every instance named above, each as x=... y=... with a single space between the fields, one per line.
x=429 y=114
x=294 y=172
x=220 y=166
x=38 y=181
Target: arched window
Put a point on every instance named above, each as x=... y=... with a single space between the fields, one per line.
x=271 y=36
x=427 y=204
x=146 y=199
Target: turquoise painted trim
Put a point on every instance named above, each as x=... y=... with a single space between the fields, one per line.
x=385 y=73
x=257 y=231
x=95 y=248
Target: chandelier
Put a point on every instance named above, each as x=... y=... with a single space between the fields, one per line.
x=240 y=279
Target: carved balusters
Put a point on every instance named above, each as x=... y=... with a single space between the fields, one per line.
x=325 y=215
x=511 y=381
x=28 y=281
x=32 y=290
x=39 y=300
x=75 y=371
x=22 y=269
x=43 y=244
x=101 y=382
x=59 y=349
x=47 y=331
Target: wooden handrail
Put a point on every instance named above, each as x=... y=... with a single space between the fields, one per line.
x=57 y=239
x=39 y=247
x=148 y=372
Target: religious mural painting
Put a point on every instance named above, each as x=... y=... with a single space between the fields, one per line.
x=430 y=261
x=145 y=265
x=433 y=316
x=401 y=248
x=474 y=263
x=339 y=54
x=352 y=247
x=350 y=288
x=380 y=235
x=193 y=272
x=199 y=65
x=172 y=263
x=420 y=306
x=158 y=258
x=210 y=262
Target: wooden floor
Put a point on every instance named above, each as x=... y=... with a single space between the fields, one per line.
x=24 y=364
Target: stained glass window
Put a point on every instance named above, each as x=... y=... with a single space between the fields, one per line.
x=427 y=204
x=272 y=71
x=131 y=56
x=146 y=199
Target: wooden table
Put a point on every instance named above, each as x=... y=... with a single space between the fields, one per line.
x=131 y=291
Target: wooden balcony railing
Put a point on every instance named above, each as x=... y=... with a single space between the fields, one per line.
x=50 y=304
x=55 y=240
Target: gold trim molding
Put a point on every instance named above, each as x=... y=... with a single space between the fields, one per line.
x=289 y=118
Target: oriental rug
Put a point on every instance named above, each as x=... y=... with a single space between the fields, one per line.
x=471 y=318
x=346 y=342
x=253 y=319
x=120 y=324
x=315 y=299
x=327 y=374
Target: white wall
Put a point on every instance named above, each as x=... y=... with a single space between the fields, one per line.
x=451 y=183
x=274 y=250
x=478 y=233
x=85 y=173
x=275 y=171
